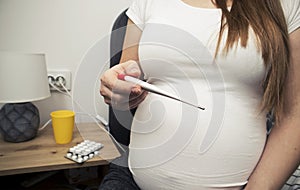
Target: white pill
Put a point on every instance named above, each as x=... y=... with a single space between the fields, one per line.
x=85 y=147
x=91 y=155
x=79 y=160
x=88 y=150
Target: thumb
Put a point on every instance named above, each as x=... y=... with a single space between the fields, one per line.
x=132 y=68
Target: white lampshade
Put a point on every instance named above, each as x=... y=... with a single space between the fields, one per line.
x=23 y=77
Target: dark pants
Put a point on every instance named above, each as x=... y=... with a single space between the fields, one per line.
x=119 y=176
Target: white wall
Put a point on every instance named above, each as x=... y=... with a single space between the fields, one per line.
x=62 y=29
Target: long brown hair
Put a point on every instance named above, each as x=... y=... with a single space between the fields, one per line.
x=267 y=20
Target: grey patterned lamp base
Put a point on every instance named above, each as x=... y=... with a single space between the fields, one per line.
x=19 y=122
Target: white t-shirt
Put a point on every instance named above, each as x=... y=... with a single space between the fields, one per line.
x=174 y=145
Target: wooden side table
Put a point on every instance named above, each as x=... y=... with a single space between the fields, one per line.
x=43 y=154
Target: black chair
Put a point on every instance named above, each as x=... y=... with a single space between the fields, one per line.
x=119 y=121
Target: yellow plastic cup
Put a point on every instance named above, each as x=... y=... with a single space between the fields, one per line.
x=63 y=125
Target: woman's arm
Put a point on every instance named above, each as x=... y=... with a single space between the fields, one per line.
x=281 y=156
x=131 y=42
x=120 y=94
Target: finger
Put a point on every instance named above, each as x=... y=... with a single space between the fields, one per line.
x=125 y=87
x=132 y=68
x=122 y=102
x=105 y=91
x=135 y=102
x=110 y=81
x=107 y=100
x=111 y=96
x=136 y=90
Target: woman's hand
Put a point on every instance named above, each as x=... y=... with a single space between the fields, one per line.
x=122 y=95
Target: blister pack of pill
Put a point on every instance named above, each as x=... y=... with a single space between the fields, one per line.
x=84 y=151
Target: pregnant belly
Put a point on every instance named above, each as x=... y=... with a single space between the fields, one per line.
x=169 y=145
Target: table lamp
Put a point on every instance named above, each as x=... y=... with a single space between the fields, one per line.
x=23 y=79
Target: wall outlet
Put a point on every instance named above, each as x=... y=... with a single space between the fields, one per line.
x=59 y=78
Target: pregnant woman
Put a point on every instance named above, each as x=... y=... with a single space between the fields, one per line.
x=239 y=60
